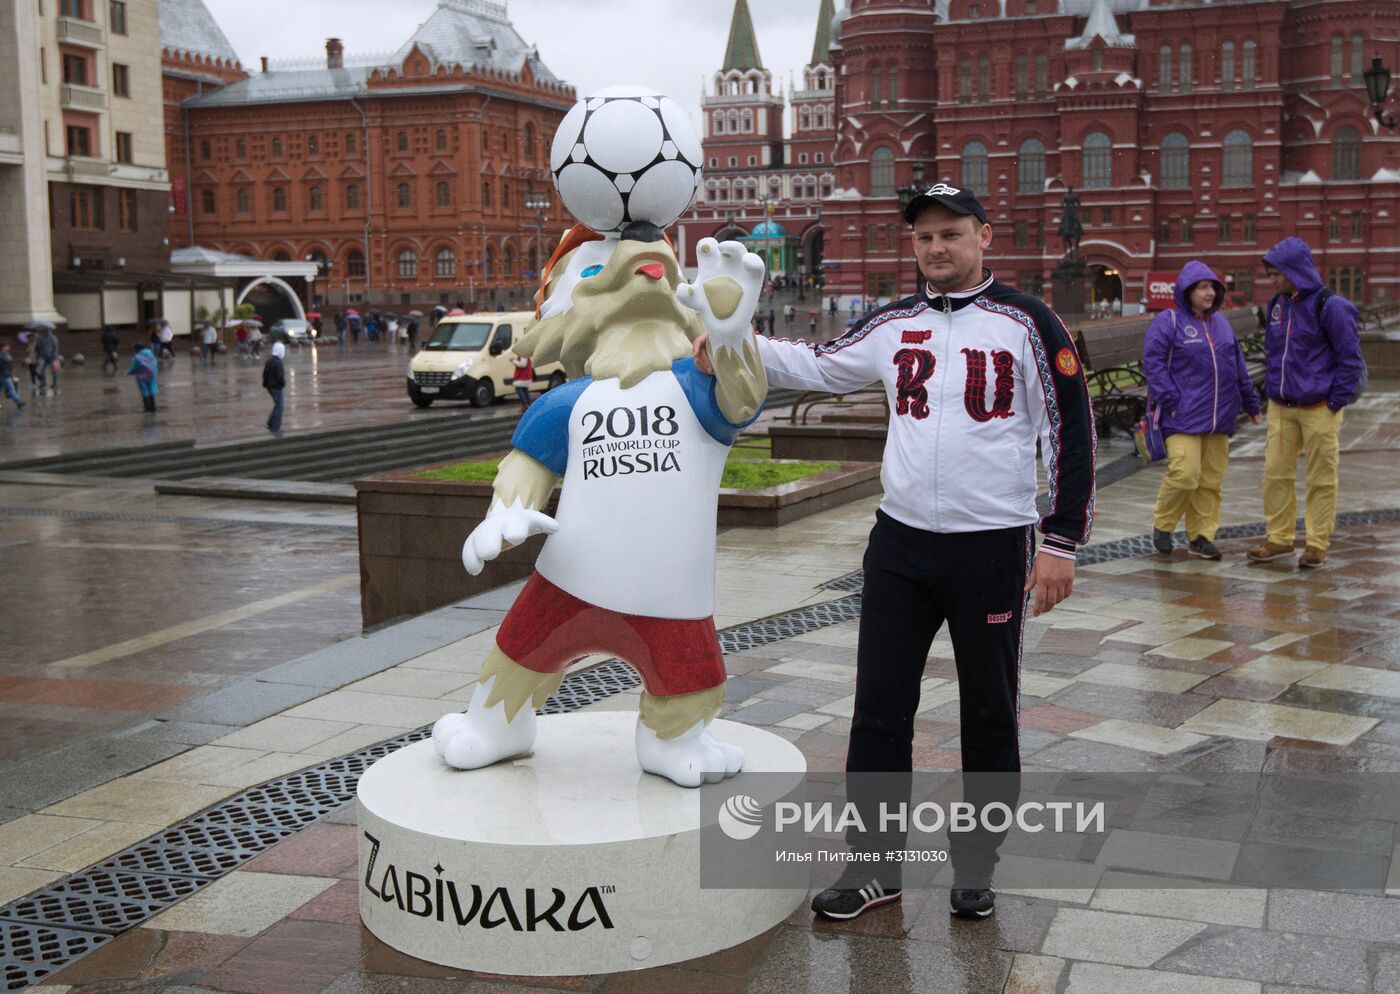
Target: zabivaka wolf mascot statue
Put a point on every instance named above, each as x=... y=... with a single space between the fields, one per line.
x=639 y=437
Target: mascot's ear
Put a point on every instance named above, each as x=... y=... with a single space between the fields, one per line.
x=572 y=239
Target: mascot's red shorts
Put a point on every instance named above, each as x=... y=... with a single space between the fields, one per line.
x=548 y=628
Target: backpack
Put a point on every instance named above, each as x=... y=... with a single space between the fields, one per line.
x=1322 y=296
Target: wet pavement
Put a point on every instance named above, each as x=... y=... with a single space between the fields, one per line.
x=164 y=652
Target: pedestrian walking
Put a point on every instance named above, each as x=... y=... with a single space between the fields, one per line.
x=353 y=320
x=315 y=329
x=788 y=312
x=524 y=379
x=145 y=367
x=111 y=344
x=833 y=306
x=208 y=343
x=1315 y=370
x=240 y=337
x=50 y=365
x=274 y=381
x=7 y=375
x=412 y=330
x=1198 y=383
x=255 y=337
x=340 y=328
x=812 y=324
x=31 y=360
x=954 y=536
x=166 y=335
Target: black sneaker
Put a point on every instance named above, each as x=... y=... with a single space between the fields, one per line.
x=1162 y=541
x=970 y=903
x=848 y=902
x=1202 y=548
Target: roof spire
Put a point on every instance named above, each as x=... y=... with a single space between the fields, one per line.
x=742 y=50
x=1101 y=24
x=821 y=47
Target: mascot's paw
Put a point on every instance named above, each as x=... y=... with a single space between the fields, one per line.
x=725 y=291
x=503 y=526
x=690 y=759
x=482 y=737
x=446 y=729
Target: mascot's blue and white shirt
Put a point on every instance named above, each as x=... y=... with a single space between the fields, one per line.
x=641 y=470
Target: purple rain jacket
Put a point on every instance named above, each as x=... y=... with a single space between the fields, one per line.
x=1195 y=369
x=1307 y=363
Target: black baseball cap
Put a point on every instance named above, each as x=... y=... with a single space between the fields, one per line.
x=959 y=201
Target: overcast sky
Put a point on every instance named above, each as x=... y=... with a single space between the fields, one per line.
x=670 y=45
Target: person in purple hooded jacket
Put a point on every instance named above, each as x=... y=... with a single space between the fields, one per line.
x=1197 y=377
x=1315 y=370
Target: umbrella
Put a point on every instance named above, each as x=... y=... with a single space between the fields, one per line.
x=352 y=313
x=24 y=336
x=234 y=322
x=456 y=312
x=311 y=315
x=157 y=321
x=440 y=308
x=38 y=326
x=415 y=314
x=252 y=322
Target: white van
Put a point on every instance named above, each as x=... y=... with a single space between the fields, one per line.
x=468 y=357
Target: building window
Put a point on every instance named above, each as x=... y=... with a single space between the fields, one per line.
x=1334 y=227
x=123 y=146
x=440 y=140
x=279 y=200
x=313 y=145
x=1164 y=67
x=121 y=80
x=486 y=194
x=1021 y=84
x=1247 y=66
x=405 y=196
x=1251 y=228
x=206 y=152
x=1242 y=281
x=1188 y=230
x=1098 y=161
x=1042 y=75
x=1096 y=60
x=1358 y=56
x=1030 y=166
x=508 y=262
x=974 y=168
x=505 y=194
x=126 y=209
x=79 y=140
x=1028 y=283
x=529 y=141
x=408 y=265
x=85 y=205
x=1357 y=225
x=277 y=147
x=882 y=173
x=1238 y=169
x=402 y=141
x=240 y=149
x=965 y=81
x=75 y=70
x=984 y=80
x=244 y=202
x=1021 y=234
x=355 y=264
x=1346 y=153
x=892 y=96
x=801 y=158
x=1187 y=69
x=877 y=77
x=753 y=160
x=71 y=8
x=1164 y=230
x=1224 y=229
x=444 y=193
x=1227 y=65
x=445 y=263
x=1337 y=60
x=207 y=203
x=1345 y=280
x=116 y=17
x=316 y=198
x=733 y=161
x=1176 y=162
x=350 y=143
x=352 y=197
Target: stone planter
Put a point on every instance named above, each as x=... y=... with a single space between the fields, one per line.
x=849 y=442
x=411 y=533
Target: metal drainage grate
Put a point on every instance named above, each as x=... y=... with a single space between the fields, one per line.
x=52 y=927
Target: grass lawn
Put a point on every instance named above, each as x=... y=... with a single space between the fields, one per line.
x=749 y=467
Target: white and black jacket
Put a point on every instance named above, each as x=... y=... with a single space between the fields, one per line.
x=973 y=379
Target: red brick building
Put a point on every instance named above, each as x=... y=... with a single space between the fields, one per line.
x=409 y=174
x=762 y=187
x=1205 y=130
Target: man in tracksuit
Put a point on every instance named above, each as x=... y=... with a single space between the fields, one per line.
x=1314 y=370
x=975 y=372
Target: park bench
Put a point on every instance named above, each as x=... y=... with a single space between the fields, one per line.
x=1112 y=355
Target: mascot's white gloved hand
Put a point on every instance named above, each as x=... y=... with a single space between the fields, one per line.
x=732 y=262
x=503 y=526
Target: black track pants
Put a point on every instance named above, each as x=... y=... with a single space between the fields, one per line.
x=915 y=581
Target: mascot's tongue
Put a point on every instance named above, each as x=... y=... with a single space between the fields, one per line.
x=652 y=270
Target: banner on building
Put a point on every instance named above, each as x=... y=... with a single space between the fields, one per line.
x=1161 y=291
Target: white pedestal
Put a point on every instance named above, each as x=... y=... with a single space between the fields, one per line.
x=569 y=861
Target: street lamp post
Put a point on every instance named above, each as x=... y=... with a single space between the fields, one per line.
x=1377 y=89
x=539 y=203
x=906 y=196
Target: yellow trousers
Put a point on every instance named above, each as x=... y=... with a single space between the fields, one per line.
x=1316 y=432
x=1195 y=471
